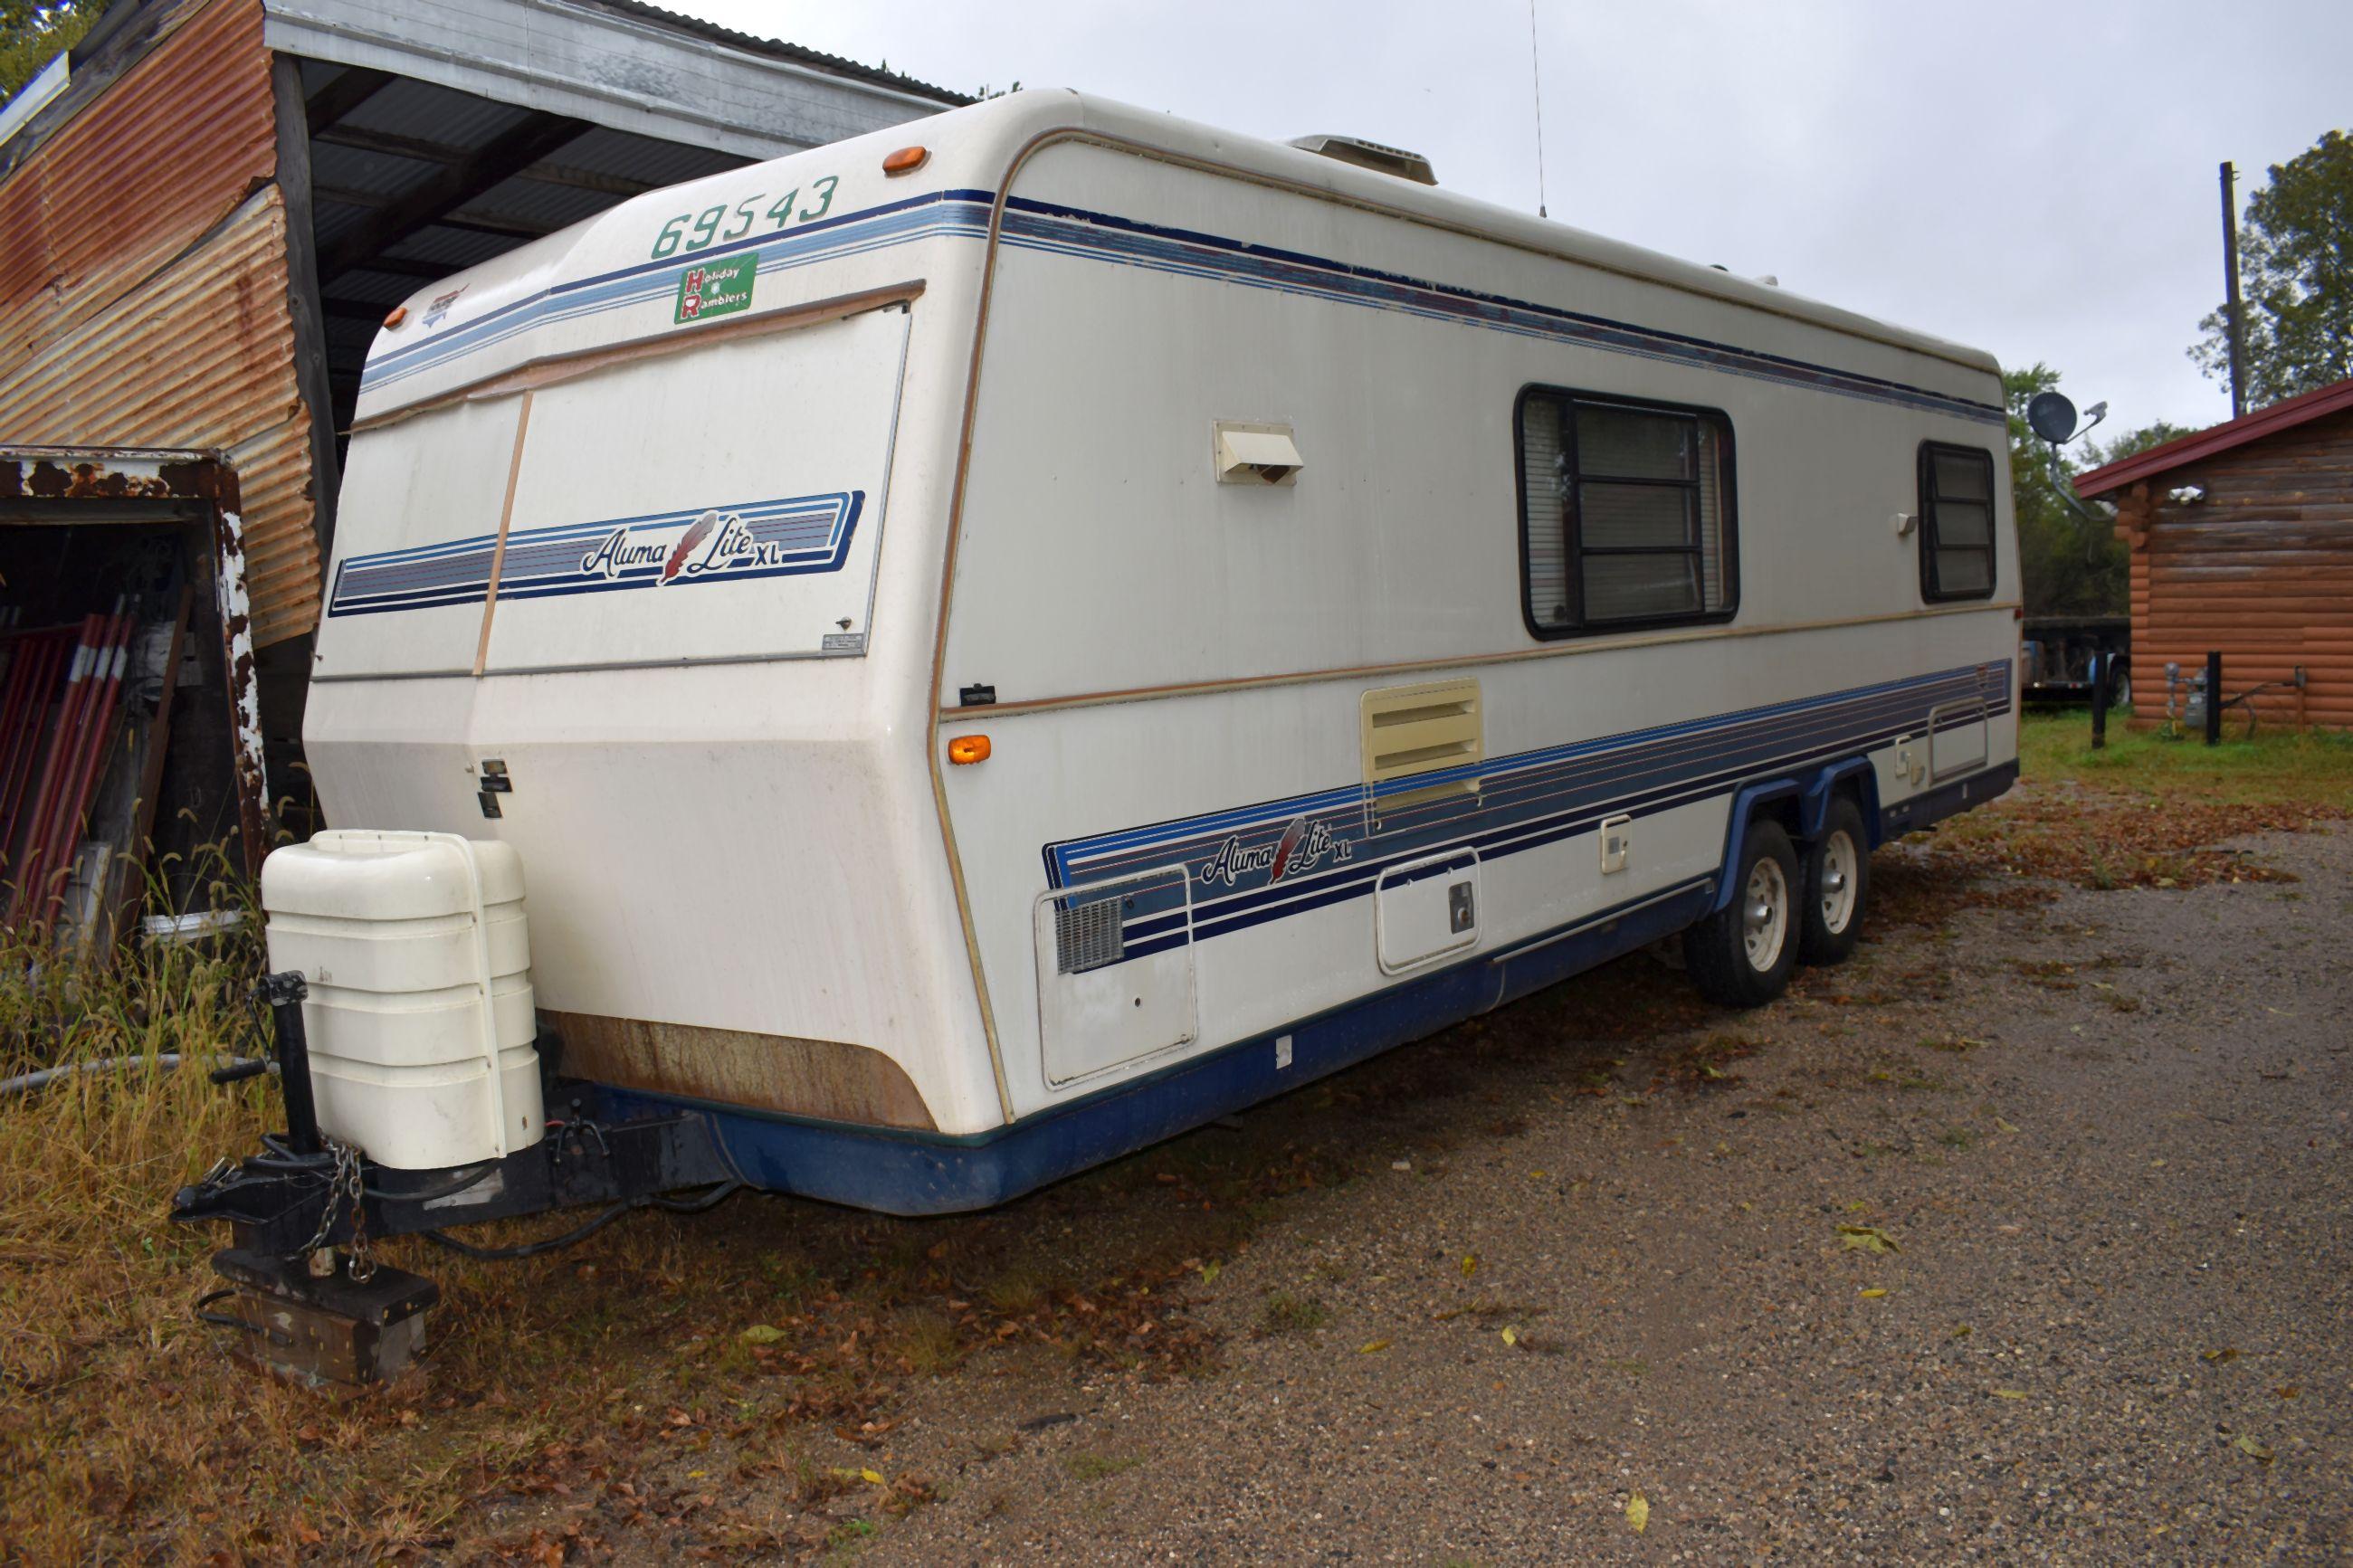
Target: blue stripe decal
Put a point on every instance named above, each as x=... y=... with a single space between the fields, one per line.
x=1048 y=227
x=1073 y=231
x=932 y=1173
x=917 y=1172
x=964 y=213
x=675 y=549
x=1267 y=861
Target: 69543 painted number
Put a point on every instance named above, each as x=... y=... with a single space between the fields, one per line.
x=691 y=232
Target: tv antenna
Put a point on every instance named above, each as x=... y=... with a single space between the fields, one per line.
x=1536 y=74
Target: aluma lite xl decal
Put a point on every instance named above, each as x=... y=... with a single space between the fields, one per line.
x=1304 y=843
x=711 y=544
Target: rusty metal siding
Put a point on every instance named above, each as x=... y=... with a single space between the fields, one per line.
x=163 y=154
x=201 y=355
x=143 y=289
x=2260 y=569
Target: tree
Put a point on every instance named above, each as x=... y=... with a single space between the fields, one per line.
x=2070 y=564
x=2132 y=443
x=2295 y=259
x=34 y=32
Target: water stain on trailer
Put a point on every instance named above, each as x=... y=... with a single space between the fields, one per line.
x=825 y=1078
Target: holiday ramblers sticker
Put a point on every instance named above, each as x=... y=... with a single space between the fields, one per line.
x=715 y=288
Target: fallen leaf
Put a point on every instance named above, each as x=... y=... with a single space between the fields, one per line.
x=1373 y=1348
x=2287 y=1391
x=1510 y=1335
x=761 y=1334
x=1867 y=1239
x=1470 y=1264
x=1638 y=1512
x=1961 y=1331
x=872 y=1478
x=1874 y=1294
x=2225 y=1353
x=2005 y=1126
x=2009 y=1394
x=2253 y=1449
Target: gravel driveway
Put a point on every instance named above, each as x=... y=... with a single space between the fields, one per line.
x=2022 y=1237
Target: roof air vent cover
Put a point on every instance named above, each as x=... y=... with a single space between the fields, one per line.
x=1371 y=155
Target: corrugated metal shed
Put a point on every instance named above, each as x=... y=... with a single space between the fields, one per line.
x=143 y=289
x=185 y=134
x=628 y=67
x=200 y=232
x=226 y=382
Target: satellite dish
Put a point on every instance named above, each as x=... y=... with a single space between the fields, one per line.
x=2052 y=416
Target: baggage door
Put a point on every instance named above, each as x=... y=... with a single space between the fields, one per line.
x=1426 y=909
x=1114 y=972
x=1957 y=739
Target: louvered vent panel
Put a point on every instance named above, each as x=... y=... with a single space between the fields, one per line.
x=1411 y=730
x=1089 y=935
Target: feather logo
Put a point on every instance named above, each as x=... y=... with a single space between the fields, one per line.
x=1291 y=836
x=695 y=534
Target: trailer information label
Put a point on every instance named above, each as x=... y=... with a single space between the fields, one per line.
x=716 y=288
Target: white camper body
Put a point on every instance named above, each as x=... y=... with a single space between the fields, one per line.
x=1376 y=603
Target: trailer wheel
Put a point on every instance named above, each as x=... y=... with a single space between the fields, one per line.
x=1838 y=886
x=1742 y=956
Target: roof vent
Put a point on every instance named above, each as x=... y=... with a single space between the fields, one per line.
x=1371 y=155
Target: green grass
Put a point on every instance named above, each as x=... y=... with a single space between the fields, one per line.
x=2314 y=767
x=1098 y=1467
x=1287 y=1314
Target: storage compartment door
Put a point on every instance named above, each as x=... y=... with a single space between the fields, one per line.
x=1956 y=744
x=1426 y=909
x=1114 y=972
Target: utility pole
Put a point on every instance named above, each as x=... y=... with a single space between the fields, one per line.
x=2231 y=309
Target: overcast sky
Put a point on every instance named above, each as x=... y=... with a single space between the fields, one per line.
x=2037 y=179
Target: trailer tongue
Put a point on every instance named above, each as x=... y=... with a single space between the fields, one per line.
x=419 y=1097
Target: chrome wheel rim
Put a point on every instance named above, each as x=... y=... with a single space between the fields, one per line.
x=1839 y=864
x=1765 y=914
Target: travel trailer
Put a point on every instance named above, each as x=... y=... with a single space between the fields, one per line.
x=987 y=645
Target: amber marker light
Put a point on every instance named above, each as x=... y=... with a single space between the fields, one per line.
x=400 y=314
x=965 y=750
x=906 y=160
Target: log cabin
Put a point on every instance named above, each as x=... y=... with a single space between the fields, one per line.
x=2242 y=540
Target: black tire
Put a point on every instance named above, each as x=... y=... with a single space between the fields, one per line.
x=1728 y=969
x=1838 y=883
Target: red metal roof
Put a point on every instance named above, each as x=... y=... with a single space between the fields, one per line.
x=2283 y=415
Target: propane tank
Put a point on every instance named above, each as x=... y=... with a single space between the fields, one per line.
x=419 y=1015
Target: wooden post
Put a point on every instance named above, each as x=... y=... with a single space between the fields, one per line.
x=2213 y=697
x=2100 y=699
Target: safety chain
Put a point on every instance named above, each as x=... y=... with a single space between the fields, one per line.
x=344 y=1187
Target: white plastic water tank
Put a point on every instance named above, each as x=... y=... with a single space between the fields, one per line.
x=419 y=1019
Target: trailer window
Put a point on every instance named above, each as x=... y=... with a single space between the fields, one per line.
x=1956 y=522
x=1625 y=514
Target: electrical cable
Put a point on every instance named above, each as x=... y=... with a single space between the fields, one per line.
x=582 y=1232
x=224 y=1320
